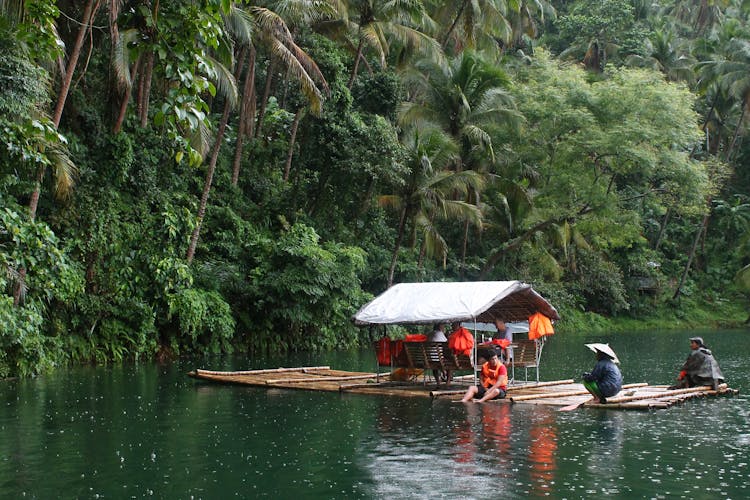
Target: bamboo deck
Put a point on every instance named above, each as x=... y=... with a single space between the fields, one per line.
x=563 y=393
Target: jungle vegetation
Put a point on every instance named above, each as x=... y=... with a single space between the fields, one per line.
x=217 y=175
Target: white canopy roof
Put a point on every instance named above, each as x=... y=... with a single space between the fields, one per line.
x=483 y=301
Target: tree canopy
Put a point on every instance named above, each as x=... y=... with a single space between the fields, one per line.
x=212 y=176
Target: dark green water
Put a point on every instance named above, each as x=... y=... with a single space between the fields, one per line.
x=148 y=430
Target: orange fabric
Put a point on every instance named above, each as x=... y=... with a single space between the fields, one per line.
x=504 y=343
x=415 y=337
x=461 y=341
x=542 y=452
x=383 y=351
x=539 y=326
x=491 y=375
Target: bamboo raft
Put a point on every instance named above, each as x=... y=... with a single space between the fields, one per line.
x=562 y=393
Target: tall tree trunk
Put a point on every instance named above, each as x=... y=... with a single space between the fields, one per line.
x=455 y=23
x=146 y=93
x=247 y=115
x=126 y=98
x=266 y=95
x=208 y=182
x=397 y=247
x=464 y=246
x=292 y=138
x=62 y=96
x=285 y=84
x=420 y=260
x=662 y=228
x=148 y=70
x=691 y=255
x=736 y=131
x=356 y=63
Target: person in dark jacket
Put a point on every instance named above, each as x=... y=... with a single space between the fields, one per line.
x=700 y=368
x=605 y=380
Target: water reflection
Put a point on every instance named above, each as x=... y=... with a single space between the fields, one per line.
x=141 y=430
x=542 y=452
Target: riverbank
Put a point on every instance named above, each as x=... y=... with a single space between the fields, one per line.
x=684 y=314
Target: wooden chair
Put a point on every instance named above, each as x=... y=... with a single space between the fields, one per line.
x=459 y=362
x=527 y=354
x=427 y=356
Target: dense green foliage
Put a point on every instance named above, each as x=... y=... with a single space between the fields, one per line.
x=213 y=176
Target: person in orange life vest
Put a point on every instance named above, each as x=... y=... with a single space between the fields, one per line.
x=493 y=380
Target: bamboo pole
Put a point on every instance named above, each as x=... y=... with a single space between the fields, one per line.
x=706 y=389
x=669 y=397
x=318 y=379
x=303 y=369
x=388 y=383
x=644 y=405
x=437 y=394
x=451 y=392
x=526 y=397
x=540 y=384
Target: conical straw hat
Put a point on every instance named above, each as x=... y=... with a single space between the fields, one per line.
x=605 y=349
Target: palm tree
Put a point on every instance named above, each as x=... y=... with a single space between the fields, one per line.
x=475 y=24
x=426 y=194
x=668 y=55
x=377 y=25
x=731 y=74
x=270 y=30
x=466 y=98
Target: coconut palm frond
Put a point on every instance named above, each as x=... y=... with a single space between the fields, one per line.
x=461 y=210
x=64 y=171
x=240 y=25
x=200 y=138
x=121 y=57
x=418 y=41
x=223 y=79
x=307 y=85
x=480 y=138
x=306 y=12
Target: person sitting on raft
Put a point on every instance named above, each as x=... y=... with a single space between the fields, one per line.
x=493 y=380
x=605 y=380
x=700 y=368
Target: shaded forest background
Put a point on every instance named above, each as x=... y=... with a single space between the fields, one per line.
x=216 y=175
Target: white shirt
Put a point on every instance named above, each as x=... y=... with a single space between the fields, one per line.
x=437 y=336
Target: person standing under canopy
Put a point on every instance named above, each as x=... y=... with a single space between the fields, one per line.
x=605 y=380
x=438 y=335
x=700 y=368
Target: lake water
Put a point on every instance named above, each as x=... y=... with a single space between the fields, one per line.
x=148 y=430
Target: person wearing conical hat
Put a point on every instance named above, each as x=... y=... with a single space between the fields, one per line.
x=605 y=380
x=700 y=368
